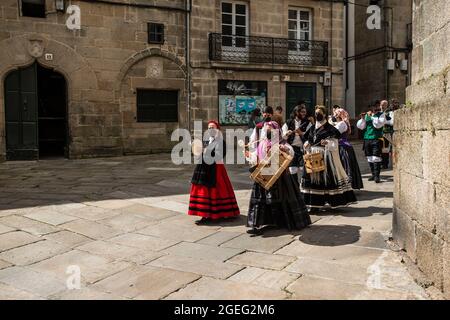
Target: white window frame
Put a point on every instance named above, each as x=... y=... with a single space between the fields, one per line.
x=227 y=50
x=299 y=31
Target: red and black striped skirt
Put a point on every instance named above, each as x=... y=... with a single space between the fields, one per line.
x=214 y=203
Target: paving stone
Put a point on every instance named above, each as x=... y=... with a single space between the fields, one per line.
x=144 y=257
x=218 y=238
x=296 y=249
x=84 y=294
x=31 y=281
x=67 y=238
x=275 y=279
x=143 y=242
x=202 y=251
x=144 y=282
x=50 y=217
x=93 y=213
x=15 y=239
x=33 y=252
x=108 y=249
x=329 y=270
x=211 y=268
x=93 y=268
x=215 y=289
x=268 y=243
x=170 y=230
x=31 y=226
x=247 y=275
x=8 y=292
x=168 y=205
x=348 y=255
x=5 y=229
x=109 y=204
x=262 y=260
x=4 y=264
x=90 y=229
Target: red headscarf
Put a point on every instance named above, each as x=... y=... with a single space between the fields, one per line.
x=214 y=122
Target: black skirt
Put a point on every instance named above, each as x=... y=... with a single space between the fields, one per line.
x=281 y=206
x=350 y=164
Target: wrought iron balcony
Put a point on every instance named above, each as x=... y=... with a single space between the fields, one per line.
x=249 y=49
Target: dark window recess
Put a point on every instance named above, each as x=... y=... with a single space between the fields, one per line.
x=33 y=8
x=155 y=33
x=157 y=105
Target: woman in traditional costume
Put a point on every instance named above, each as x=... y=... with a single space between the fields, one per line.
x=212 y=195
x=332 y=185
x=282 y=205
x=346 y=152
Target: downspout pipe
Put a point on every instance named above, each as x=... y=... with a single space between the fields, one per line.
x=188 y=61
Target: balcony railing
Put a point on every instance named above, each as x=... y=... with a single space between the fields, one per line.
x=249 y=49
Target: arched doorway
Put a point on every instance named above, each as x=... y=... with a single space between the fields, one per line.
x=35 y=113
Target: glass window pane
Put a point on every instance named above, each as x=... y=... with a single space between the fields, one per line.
x=241 y=31
x=304 y=26
x=292 y=25
x=292 y=35
x=293 y=14
x=241 y=20
x=304 y=15
x=227 y=7
x=241 y=9
x=227 y=41
x=227 y=29
x=240 y=42
x=227 y=18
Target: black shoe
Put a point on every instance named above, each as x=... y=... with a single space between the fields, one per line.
x=377 y=180
x=201 y=222
x=254 y=231
x=377 y=172
x=372 y=170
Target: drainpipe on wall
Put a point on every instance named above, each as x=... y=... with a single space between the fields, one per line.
x=188 y=61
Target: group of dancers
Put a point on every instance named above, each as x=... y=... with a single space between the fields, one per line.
x=288 y=202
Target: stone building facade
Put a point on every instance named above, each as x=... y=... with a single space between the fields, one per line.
x=376 y=48
x=108 y=89
x=422 y=148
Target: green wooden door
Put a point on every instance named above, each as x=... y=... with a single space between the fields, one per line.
x=21 y=111
x=300 y=92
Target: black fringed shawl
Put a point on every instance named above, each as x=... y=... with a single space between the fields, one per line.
x=205 y=174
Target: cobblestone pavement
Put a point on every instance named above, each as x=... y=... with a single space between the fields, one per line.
x=123 y=222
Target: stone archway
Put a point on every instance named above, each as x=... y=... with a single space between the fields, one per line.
x=25 y=50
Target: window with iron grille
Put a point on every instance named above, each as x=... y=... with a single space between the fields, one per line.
x=299 y=29
x=33 y=8
x=157 y=105
x=155 y=32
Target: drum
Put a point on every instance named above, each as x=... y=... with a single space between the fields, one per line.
x=314 y=162
x=267 y=181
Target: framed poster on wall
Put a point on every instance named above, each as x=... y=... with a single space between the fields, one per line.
x=237 y=100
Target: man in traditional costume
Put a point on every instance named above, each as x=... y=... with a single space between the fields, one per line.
x=293 y=131
x=372 y=123
x=330 y=186
x=212 y=195
x=281 y=205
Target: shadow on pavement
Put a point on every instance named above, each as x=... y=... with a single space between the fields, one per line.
x=330 y=236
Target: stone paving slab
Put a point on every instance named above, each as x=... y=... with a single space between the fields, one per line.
x=25 y=224
x=4 y=264
x=268 y=243
x=262 y=260
x=67 y=238
x=93 y=268
x=142 y=241
x=50 y=217
x=31 y=281
x=8 y=292
x=179 y=232
x=202 y=251
x=5 y=229
x=214 y=289
x=16 y=239
x=84 y=294
x=210 y=268
x=218 y=238
x=91 y=229
x=145 y=282
x=33 y=252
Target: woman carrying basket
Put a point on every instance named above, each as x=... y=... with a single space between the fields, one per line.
x=282 y=205
x=327 y=183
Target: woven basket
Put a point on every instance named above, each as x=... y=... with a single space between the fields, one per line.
x=314 y=162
